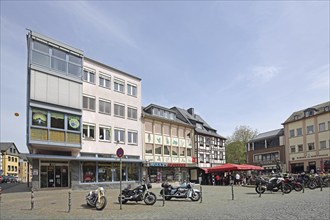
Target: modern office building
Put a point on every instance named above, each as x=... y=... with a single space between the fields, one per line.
x=267 y=150
x=168 y=145
x=307 y=139
x=79 y=111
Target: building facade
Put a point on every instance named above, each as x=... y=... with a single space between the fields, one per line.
x=209 y=147
x=10 y=157
x=267 y=150
x=25 y=169
x=168 y=145
x=79 y=112
x=307 y=139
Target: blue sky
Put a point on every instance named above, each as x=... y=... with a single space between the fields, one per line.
x=236 y=62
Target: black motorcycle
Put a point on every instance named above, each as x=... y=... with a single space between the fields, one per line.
x=140 y=193
x=185 y=190
x=273 y=184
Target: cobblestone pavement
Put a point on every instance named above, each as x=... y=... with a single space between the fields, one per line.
x=217 y=203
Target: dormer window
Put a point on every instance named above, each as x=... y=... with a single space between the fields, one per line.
x=198 y=125
x=296 y=117
x=309 y=112
x=326 y=108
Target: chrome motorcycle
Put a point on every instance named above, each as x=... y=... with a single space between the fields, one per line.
x=96 y=198
x=273 y=184
x=140 y=193
x=184 y=191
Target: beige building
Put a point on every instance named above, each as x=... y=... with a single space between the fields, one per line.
x=307 y=139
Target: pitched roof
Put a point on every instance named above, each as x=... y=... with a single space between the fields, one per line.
x=4 y=146
x=268 y=134
x=319 y=109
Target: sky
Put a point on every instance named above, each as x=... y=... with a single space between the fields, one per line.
x=250 y=63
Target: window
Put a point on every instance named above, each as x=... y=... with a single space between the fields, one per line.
x=300 y=148
x=104 y=172
x=104 y=133
x=73 y=123
x=57 y=120
x=89 y=103
x=15 y=159
x=323 y=144
x=119 y=110
x=9 y=158
x=310 y=129
x=311 y=146
x=182 y=152
x=39 y=117
x=189 y=152
x=198 y=125
x=299 y=131
x=89 y=171
x=292 y=133
x=8 y=168
x=293 y=149
x=104 y=81
x=149 y=148
x=322 y=126
x=132 y=113
x=104 y=106
x=58 y=60
x=132 y=137
x=118 y=85
x=89 y=76
x=174 y=151
x=158 y=149
x=89 y=132
x=119 y=135
x=167 y=150
x=131 y=90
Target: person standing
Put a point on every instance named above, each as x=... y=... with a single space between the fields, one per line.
x=237 y=179
x=217 y=179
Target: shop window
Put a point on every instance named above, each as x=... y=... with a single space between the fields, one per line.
x=104 y=172
x=117 y=171
x=73 y=123
x=88 y=170
x=133 y=171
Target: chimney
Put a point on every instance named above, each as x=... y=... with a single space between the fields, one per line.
x=191 y=111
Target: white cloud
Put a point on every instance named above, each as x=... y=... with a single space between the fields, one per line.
x=261 y=75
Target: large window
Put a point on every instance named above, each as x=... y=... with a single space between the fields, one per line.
x=167 y=150
x=56 y=59
x=119 y=135
x=174 y=151
x=104 y=106
x=131 y=90
x=133 y=171
x=158 y=149
x=323 y=144
x=299 y=131
x=73 y=123
x=149 y=148
x=292 y=133
x=311 y=146
x=119 y=110
x=105 y=133
x=89 y=103
x=132 y=113
x=89 y=76
x=39 y=117
x=104 y=81
x=88 y=171
x=132 y=137
x=57 y=120
x=89 y=132
x=104 y=172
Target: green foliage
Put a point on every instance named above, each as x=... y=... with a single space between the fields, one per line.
x=236 y=144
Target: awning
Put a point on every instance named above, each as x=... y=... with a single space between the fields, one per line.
x=232 y=167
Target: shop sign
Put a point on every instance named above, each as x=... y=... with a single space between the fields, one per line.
x=154 y=164
x=176 y=165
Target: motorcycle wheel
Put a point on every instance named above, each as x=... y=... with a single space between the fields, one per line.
x=286 y=188
x=312 y=185
x=262 y=189
x=195 y=196
x=100 y=205
x=150 y=198
x=298 y=187
x=123 y=201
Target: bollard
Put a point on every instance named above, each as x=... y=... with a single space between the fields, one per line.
x=0 y=193
x=303 y=186
x=232 y=191
x=69 y=204
x=163 y=196
x=32 y=198
x=259 y=189
x=282 y=188
x=201 y=193
x=321 y=182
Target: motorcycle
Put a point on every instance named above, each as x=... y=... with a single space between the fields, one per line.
x=140 y=193
x=185 y=190
x=308 y=181
x=273 y=184
x=96 y=198
x=293 y=183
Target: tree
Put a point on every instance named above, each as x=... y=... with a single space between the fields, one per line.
x=236 y=144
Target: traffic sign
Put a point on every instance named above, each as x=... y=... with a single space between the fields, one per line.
x=120 y=152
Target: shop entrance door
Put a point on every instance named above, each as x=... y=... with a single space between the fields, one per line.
x=54 y=175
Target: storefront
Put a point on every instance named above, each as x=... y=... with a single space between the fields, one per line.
x=54 y=174
x=172 y=172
